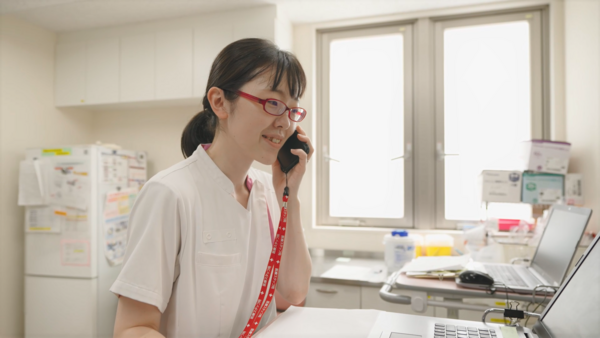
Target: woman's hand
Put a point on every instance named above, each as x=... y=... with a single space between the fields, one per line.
x=294 y=176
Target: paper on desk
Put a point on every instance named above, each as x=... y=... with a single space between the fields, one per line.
x=370 y=274
x=437 y=263
x=316 y=322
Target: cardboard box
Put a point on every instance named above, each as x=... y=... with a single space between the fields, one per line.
x=574 y=189
x=500 y=186
x=545 y=156
x=542 y=188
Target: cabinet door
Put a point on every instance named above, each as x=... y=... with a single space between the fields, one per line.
x=208 y=42
x=102 y=71
x=137 y=78
x=174 y=66
x=324 y=295
x=70 y=74
x=370 y=300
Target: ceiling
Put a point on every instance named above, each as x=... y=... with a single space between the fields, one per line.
x=72 y=15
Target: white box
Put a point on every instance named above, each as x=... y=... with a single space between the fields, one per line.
x=545 y=156
x=574 y=189
x=501 y=186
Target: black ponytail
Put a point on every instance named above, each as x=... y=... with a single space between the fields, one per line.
x=237 y=64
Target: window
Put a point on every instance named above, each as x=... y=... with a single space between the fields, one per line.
x=473 y=92
x=367 y=130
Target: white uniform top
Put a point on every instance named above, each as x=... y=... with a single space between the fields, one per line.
x=197 y=254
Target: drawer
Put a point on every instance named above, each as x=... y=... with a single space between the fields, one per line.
x=324 y=295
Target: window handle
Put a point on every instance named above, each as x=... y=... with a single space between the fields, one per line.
x=326 y=155
x=441 y=155
x=407 y=153
x=327 y=291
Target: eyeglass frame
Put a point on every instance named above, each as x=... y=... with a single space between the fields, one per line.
x=264 y=101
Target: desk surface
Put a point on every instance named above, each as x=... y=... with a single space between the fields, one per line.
x=445 y=288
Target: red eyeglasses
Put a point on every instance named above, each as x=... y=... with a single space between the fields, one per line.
x=276 y=107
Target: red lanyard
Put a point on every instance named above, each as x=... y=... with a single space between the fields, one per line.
x=271 y=274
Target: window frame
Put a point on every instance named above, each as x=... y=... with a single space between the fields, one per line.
x=322 y=177
x=539 y=115
x=427 y=198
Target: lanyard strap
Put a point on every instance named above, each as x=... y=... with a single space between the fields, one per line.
x=267 y=289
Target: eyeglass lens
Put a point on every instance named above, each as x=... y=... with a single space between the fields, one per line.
x=277 y=108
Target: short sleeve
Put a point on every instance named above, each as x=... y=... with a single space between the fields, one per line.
x=154 y=238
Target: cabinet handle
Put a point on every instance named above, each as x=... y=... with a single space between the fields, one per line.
x=327 y=291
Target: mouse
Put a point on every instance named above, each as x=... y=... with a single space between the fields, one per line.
x=475 y=277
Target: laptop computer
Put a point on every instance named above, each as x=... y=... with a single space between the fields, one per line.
x=572 y=313
x=553 y=256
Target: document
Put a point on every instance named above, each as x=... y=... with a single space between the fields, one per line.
x=117 y=207
x=33 y=182
x=437 y=263
x=315 y=322
x=70 y=184
x=45 y=219
x=115 y=169
x=137 y=173
x=75 y=252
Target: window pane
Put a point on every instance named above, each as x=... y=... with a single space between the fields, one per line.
x=487 y=110
x=366 y=127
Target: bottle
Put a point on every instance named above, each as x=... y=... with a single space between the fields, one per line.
x=399 y=249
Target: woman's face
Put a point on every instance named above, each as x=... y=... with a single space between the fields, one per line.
x=257 y=133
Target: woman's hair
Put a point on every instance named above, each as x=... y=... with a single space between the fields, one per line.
x=237 y=64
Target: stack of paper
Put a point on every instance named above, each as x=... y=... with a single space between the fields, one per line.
x=436 y=266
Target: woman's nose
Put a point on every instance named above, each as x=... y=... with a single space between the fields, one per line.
x=283 y=121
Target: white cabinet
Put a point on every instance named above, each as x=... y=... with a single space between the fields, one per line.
x=324 y=295
x=102 y=71
x=208 y=42
x=70 y=74
x=144 y=63
x=174 y=65
x=137 y=75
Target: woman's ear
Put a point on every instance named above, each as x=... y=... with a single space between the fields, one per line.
x=218 y=103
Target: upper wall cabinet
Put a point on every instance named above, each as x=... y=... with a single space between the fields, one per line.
x=87 y=72
x=102 y=71
x=70 y=74
x=137 y=75
x=174 y=66
x=152 y=63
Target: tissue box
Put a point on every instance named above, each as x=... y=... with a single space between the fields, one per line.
x=542 y=188
x=500 y=186
x=545 y=156
x=573 y=189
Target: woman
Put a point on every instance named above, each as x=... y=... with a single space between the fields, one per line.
x=201 y=232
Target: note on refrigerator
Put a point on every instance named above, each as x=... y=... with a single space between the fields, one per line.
x=75 y=252
x=33 y=182
x=45 y=219
x=117 y=207
x=115 y=169
x=70 y=184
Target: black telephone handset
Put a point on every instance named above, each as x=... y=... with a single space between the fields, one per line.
x=287 y=160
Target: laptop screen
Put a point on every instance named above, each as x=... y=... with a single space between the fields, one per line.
x=558 y=244
x=576 y=308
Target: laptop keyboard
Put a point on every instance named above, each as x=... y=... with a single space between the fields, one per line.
x=455 y=331
x=505 y=274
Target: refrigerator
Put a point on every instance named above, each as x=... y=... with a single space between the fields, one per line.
x=77 y=201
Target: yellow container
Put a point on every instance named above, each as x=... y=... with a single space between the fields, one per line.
x=439 y=245
x=438 y=251
x=418 y=245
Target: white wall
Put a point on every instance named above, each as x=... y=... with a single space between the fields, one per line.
x=582 y=65
x=27 y=119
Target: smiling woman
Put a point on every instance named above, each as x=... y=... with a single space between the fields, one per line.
x=201 y=232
